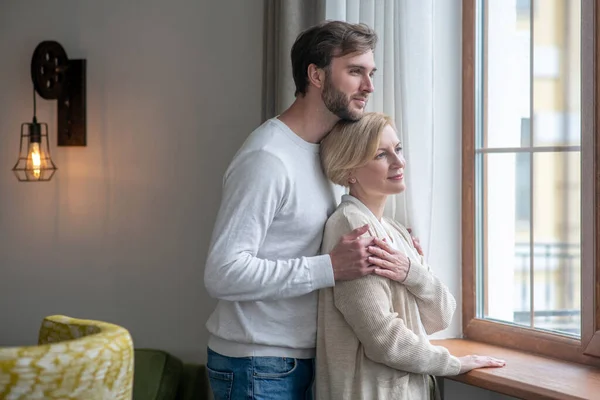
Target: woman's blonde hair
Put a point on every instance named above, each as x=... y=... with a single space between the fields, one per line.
x=351 y=144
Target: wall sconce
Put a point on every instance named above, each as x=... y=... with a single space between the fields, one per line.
x=54 y=77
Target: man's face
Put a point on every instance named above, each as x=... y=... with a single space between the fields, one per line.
x=348 y=83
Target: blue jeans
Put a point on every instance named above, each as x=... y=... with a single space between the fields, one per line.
x=260 y=378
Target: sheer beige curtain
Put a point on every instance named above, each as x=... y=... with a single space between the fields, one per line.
x=284 y=20
x=404 y=88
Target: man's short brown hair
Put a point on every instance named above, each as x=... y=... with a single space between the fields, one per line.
x=320 y=43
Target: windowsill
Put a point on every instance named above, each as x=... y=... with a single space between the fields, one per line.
x=526 y=375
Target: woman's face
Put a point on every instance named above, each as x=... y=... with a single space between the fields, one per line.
x=384 y=174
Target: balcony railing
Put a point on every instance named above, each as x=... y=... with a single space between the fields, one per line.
x=556 y=274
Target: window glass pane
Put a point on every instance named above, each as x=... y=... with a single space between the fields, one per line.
x=523 y=7
x=527 y=197
x=509 y=66
x=507 y=69
x=557 y=241
x=522 y=178
x=557 y=72
x=506 y=238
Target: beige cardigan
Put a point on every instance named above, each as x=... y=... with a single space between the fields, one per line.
x=372 y=332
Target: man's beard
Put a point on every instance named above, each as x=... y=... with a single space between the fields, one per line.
x=338 y=103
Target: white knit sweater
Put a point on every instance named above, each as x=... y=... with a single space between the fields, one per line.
x=263 y=263
x=372 y=332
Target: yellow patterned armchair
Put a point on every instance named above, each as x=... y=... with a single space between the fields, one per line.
x=75 y=359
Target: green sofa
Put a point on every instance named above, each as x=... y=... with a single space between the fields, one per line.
x=158 y=375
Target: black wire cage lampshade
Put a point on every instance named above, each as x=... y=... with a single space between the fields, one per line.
x=34 y=163
x=54 y=76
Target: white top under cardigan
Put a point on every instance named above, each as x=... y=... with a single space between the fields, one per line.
x=372 y=332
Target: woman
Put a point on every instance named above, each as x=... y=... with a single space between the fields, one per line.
x=372 y=332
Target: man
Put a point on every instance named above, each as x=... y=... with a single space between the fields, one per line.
x=263 y=263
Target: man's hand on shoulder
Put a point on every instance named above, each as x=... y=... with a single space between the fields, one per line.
x=349 y=257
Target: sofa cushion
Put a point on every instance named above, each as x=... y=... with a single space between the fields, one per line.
x=156 y=375
x=194 y=385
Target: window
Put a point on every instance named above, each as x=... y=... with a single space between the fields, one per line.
x=523 y=8
x=529 y=159
x=523 y=187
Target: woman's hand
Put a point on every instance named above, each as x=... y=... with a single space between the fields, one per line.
x=468 y=363
x=390 y=262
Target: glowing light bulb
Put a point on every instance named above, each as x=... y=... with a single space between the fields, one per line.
x=36 y=158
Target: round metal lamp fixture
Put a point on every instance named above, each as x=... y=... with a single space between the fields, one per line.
x=54 y=77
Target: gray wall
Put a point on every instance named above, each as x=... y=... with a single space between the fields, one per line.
x=460 y=391
x=121 y=232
